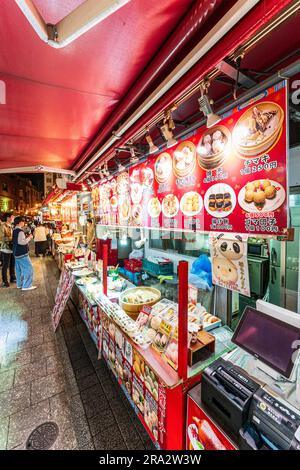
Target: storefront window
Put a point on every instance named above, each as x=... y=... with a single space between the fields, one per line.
x=188 y=244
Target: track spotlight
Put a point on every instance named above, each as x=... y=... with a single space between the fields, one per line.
x=166 y=129
x=206 y=108
x=105 y=170
x=152 y=148
x=133 y=157
x=121 y=167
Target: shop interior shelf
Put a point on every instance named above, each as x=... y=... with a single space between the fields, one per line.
x=158 y=269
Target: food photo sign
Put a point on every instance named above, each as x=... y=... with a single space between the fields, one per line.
x=228 y=178
x=139 y=382
x=229 y=261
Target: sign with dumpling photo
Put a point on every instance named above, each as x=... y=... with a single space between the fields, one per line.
x=229 y=261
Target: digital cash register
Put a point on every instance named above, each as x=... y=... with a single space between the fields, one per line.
x=246 y=408
x=272 y=424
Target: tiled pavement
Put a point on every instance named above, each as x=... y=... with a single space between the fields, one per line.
x=47 y=376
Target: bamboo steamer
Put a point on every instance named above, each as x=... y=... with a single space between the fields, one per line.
x=131 y=308
x=189 y=168
x=248 y=151
x=213 y=161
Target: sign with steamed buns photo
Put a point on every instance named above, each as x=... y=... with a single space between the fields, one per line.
x=231 y=177
x=229 y=261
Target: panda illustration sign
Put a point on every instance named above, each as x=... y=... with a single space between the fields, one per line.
x=229 y=261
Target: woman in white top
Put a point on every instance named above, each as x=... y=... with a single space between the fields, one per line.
x=40 y=240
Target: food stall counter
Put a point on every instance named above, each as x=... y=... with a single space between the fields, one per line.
x=161 y=369
x=166 y=374
x=223 y=345
x=147 y=376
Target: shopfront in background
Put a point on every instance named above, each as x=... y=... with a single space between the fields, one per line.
x=193 y=241
x=197 y=249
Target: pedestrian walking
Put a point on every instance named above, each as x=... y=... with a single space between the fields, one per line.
x=8 y=261
x=40 y=240
x=49 y=233
x=24 y=269
x=90 y=234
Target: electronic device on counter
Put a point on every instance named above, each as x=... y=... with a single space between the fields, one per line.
x=273 y=424
x=272 y=335
x=250 y=411
x=257 y=247
x=227 y=391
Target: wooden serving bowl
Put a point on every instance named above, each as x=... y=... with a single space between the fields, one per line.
x=131 y=308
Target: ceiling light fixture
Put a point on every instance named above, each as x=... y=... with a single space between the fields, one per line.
x=166 y=129
x=133 y=157
x=152 y=147
x=205 y=106
x=105 y=170
x=121 y=167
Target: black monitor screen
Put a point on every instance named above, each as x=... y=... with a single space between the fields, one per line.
x=272 y=341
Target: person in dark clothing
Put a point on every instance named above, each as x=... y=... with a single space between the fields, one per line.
x=24 y=269
x=8 y=261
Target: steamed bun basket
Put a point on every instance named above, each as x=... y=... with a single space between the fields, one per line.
x=247 y=151
x=132 y=308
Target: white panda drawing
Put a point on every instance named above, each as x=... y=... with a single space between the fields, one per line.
x=230 y=249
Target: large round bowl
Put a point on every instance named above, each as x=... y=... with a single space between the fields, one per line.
x=256 y=148
x=132 y=307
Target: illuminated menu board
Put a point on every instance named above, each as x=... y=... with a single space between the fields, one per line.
x=230 y=178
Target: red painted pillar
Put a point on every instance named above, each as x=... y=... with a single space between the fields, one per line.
x=183 y=276
x=105 y=258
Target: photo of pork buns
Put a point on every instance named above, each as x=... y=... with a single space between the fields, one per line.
x=163 y=167
x=184 y=159
x=213 y=147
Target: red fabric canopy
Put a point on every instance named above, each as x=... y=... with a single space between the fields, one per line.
x=56 y=99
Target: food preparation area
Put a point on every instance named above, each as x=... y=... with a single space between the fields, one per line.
x=57 y=377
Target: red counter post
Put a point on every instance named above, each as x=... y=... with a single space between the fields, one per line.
x=183 y=276
x=105 y=258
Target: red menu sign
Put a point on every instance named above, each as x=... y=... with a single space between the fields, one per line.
x=201 y=432
x=230 y=178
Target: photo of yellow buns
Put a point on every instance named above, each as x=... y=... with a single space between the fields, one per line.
x=154 y=207
x=191 y=203
x=261 y=195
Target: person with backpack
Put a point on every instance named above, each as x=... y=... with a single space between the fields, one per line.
x=8 y=262
x=24 y=269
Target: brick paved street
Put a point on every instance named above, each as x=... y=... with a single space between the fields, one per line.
x=57 y=377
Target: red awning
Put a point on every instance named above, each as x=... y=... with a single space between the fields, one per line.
x=57 y=99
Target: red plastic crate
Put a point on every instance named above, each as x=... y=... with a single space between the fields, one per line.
x=133 y=265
